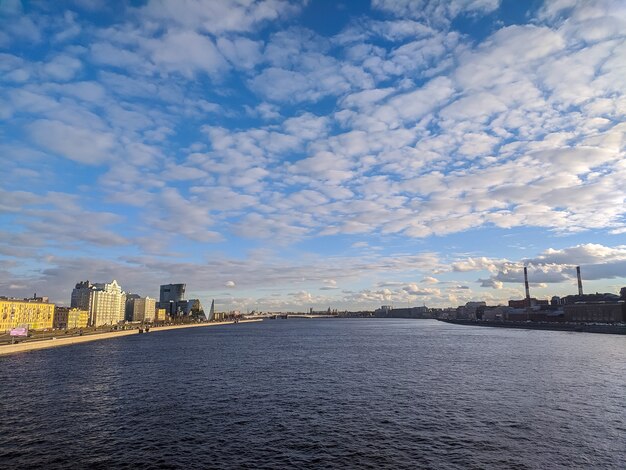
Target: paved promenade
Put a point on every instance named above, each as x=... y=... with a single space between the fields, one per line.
x=64 y=341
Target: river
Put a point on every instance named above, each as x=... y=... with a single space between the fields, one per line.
x=354 y=393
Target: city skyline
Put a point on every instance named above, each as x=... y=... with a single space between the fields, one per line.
x=281 y=155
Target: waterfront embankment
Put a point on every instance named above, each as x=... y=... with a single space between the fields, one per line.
x=61 y=341
x=612 y=329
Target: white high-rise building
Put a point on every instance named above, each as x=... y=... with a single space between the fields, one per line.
x=105 y=302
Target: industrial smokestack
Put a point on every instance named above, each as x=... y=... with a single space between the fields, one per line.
x=580 y=281
x=526 y=284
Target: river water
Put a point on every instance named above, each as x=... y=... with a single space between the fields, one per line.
x=355 y=393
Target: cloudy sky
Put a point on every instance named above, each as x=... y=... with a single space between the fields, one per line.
x=277 y=154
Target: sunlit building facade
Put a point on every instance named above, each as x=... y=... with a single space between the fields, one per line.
x=160 y=315
x=33 y=313
x=143 y=309
x=105 y=302
x=69 y=318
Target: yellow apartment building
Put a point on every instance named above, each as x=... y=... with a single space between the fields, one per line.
x=160 y=315
x=68 y=318
x=35 y=314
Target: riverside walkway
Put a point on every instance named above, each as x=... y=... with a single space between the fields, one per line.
x=53 y=342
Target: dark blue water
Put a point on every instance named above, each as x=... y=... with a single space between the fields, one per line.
x=320 y=394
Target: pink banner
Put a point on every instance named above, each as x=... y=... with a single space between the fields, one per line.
x=18 y=331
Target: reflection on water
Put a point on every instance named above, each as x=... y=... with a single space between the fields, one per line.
x=315 y=393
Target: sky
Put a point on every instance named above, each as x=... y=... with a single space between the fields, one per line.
x=286 y=155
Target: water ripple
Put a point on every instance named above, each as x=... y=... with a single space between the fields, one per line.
x=370 y=394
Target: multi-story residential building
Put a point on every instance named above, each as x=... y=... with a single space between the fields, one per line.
x=68 y=318
x=160 y=315
x=105 y=302
x=130 y=303
x=81 y=295
x=142 y=309
x=36 y=313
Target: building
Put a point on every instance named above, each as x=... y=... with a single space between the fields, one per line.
x=469 y=310
x=517 y=314
x=591 y=298
x=172 y=299
x=528 y=302
x=70 y=318
x=160 y=315
x=141 y=309
x=497 y=313
x=80 y=295
x=130 y=303
x=34 y=313
x=193 y=308
x=170 y=296
x=105 y=302
x=409 y=312
x=596 y=312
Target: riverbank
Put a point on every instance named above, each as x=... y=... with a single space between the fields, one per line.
x=574 y=327
x=60 y=341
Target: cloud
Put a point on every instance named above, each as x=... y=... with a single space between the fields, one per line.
x=329 y=284
x=186 y=52
x=234 y=16
x=492 y=283
x=81 y=145
x=589 y=253
x=62 y=68
x=229 y=284
x=438 y=12
x=229 y=124
x=414 y=289
x=552 y=266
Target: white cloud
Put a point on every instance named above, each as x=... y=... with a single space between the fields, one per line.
x=589 y=253
x=186 y=52
x=62 y=68
x=395 y=128
x=438 y=12
x=79 y=144
x=234 y=16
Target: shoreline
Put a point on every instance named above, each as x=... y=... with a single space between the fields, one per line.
x=578 y=328
x=58 y=342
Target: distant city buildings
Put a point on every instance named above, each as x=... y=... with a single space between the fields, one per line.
x=172 y=300
x=99 y=304
x=387 y=311
x=105 y=302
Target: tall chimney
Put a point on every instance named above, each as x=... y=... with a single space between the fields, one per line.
x=580 y=281
x=526 y=285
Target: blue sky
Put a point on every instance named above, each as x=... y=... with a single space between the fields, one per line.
x=285 y=155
